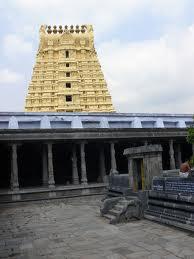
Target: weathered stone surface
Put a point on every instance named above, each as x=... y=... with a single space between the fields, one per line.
x=173 y=184
x=144 y=163
x=108 y=204
x=72 y=229
x=172 y=202
x=143 y=150
x=122 y=209
x=119 y=183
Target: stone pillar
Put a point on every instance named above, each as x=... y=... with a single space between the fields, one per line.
x=14 y=168
x=130 y=172
x=102 y=177
x=145 y=143
x=160 y=163
x=83 y=164
x=44 y=166
x=171 y=153
x=179 y=159
x=75 y=176
x=51 y=180
x=113 y=169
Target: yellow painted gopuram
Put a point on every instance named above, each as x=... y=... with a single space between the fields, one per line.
x=67 y=75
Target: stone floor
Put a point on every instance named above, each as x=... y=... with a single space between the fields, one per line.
x=73 y=229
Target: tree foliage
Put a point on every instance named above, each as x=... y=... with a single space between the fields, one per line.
x=190 y=136
x=190 y=139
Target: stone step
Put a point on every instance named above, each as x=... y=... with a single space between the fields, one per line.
x=118 y=207
x=160 y=215
x=128 y=199
x=109 y=216
x=170 y=222
x=176 y=218
x=172 y=211
x=114 y=212
x=123 y=203
x=166 y=217
x=171 y=204
x=132 y=197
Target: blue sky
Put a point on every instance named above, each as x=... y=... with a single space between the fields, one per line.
x=146 y=48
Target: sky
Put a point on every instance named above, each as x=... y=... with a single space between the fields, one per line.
x=145 y=47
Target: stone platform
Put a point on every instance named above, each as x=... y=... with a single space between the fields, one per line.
x=44 y=193
x=171 y=201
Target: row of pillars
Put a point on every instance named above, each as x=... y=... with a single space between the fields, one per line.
x=172 y=154
x=48 y=172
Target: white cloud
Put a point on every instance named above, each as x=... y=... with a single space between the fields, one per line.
x=100 y=9
x=159 y=6
x=171 y=8
x=9 y=77
x=151 y=76
x=35 y=5
x=14 y=45
x=104 y=15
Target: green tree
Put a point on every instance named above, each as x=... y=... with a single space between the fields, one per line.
x=190 y=136
x=190 y=139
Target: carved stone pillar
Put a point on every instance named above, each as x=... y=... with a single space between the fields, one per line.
x=113 y=159
x=14 y=168
x=83 y=164
x=44 y=166
x=75 y=176
x=179 y=159
x=171 y=153
x=130 y=172
x=102 y=177
x=51 y=180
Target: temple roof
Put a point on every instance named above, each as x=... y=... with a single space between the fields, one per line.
x=47 y=120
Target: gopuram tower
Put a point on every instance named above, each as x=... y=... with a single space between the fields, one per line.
x=67 y=75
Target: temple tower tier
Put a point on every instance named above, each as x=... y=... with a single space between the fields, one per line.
x=67 y=75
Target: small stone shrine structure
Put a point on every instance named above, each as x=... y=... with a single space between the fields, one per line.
x=171 y=201
x=144 y=163
x=125 y=199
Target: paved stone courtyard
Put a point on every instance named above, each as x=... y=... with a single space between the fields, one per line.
x=73 y=229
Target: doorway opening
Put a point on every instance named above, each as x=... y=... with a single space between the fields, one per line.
x=139 y=178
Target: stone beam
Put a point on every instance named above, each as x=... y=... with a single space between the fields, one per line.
x=79 y=134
